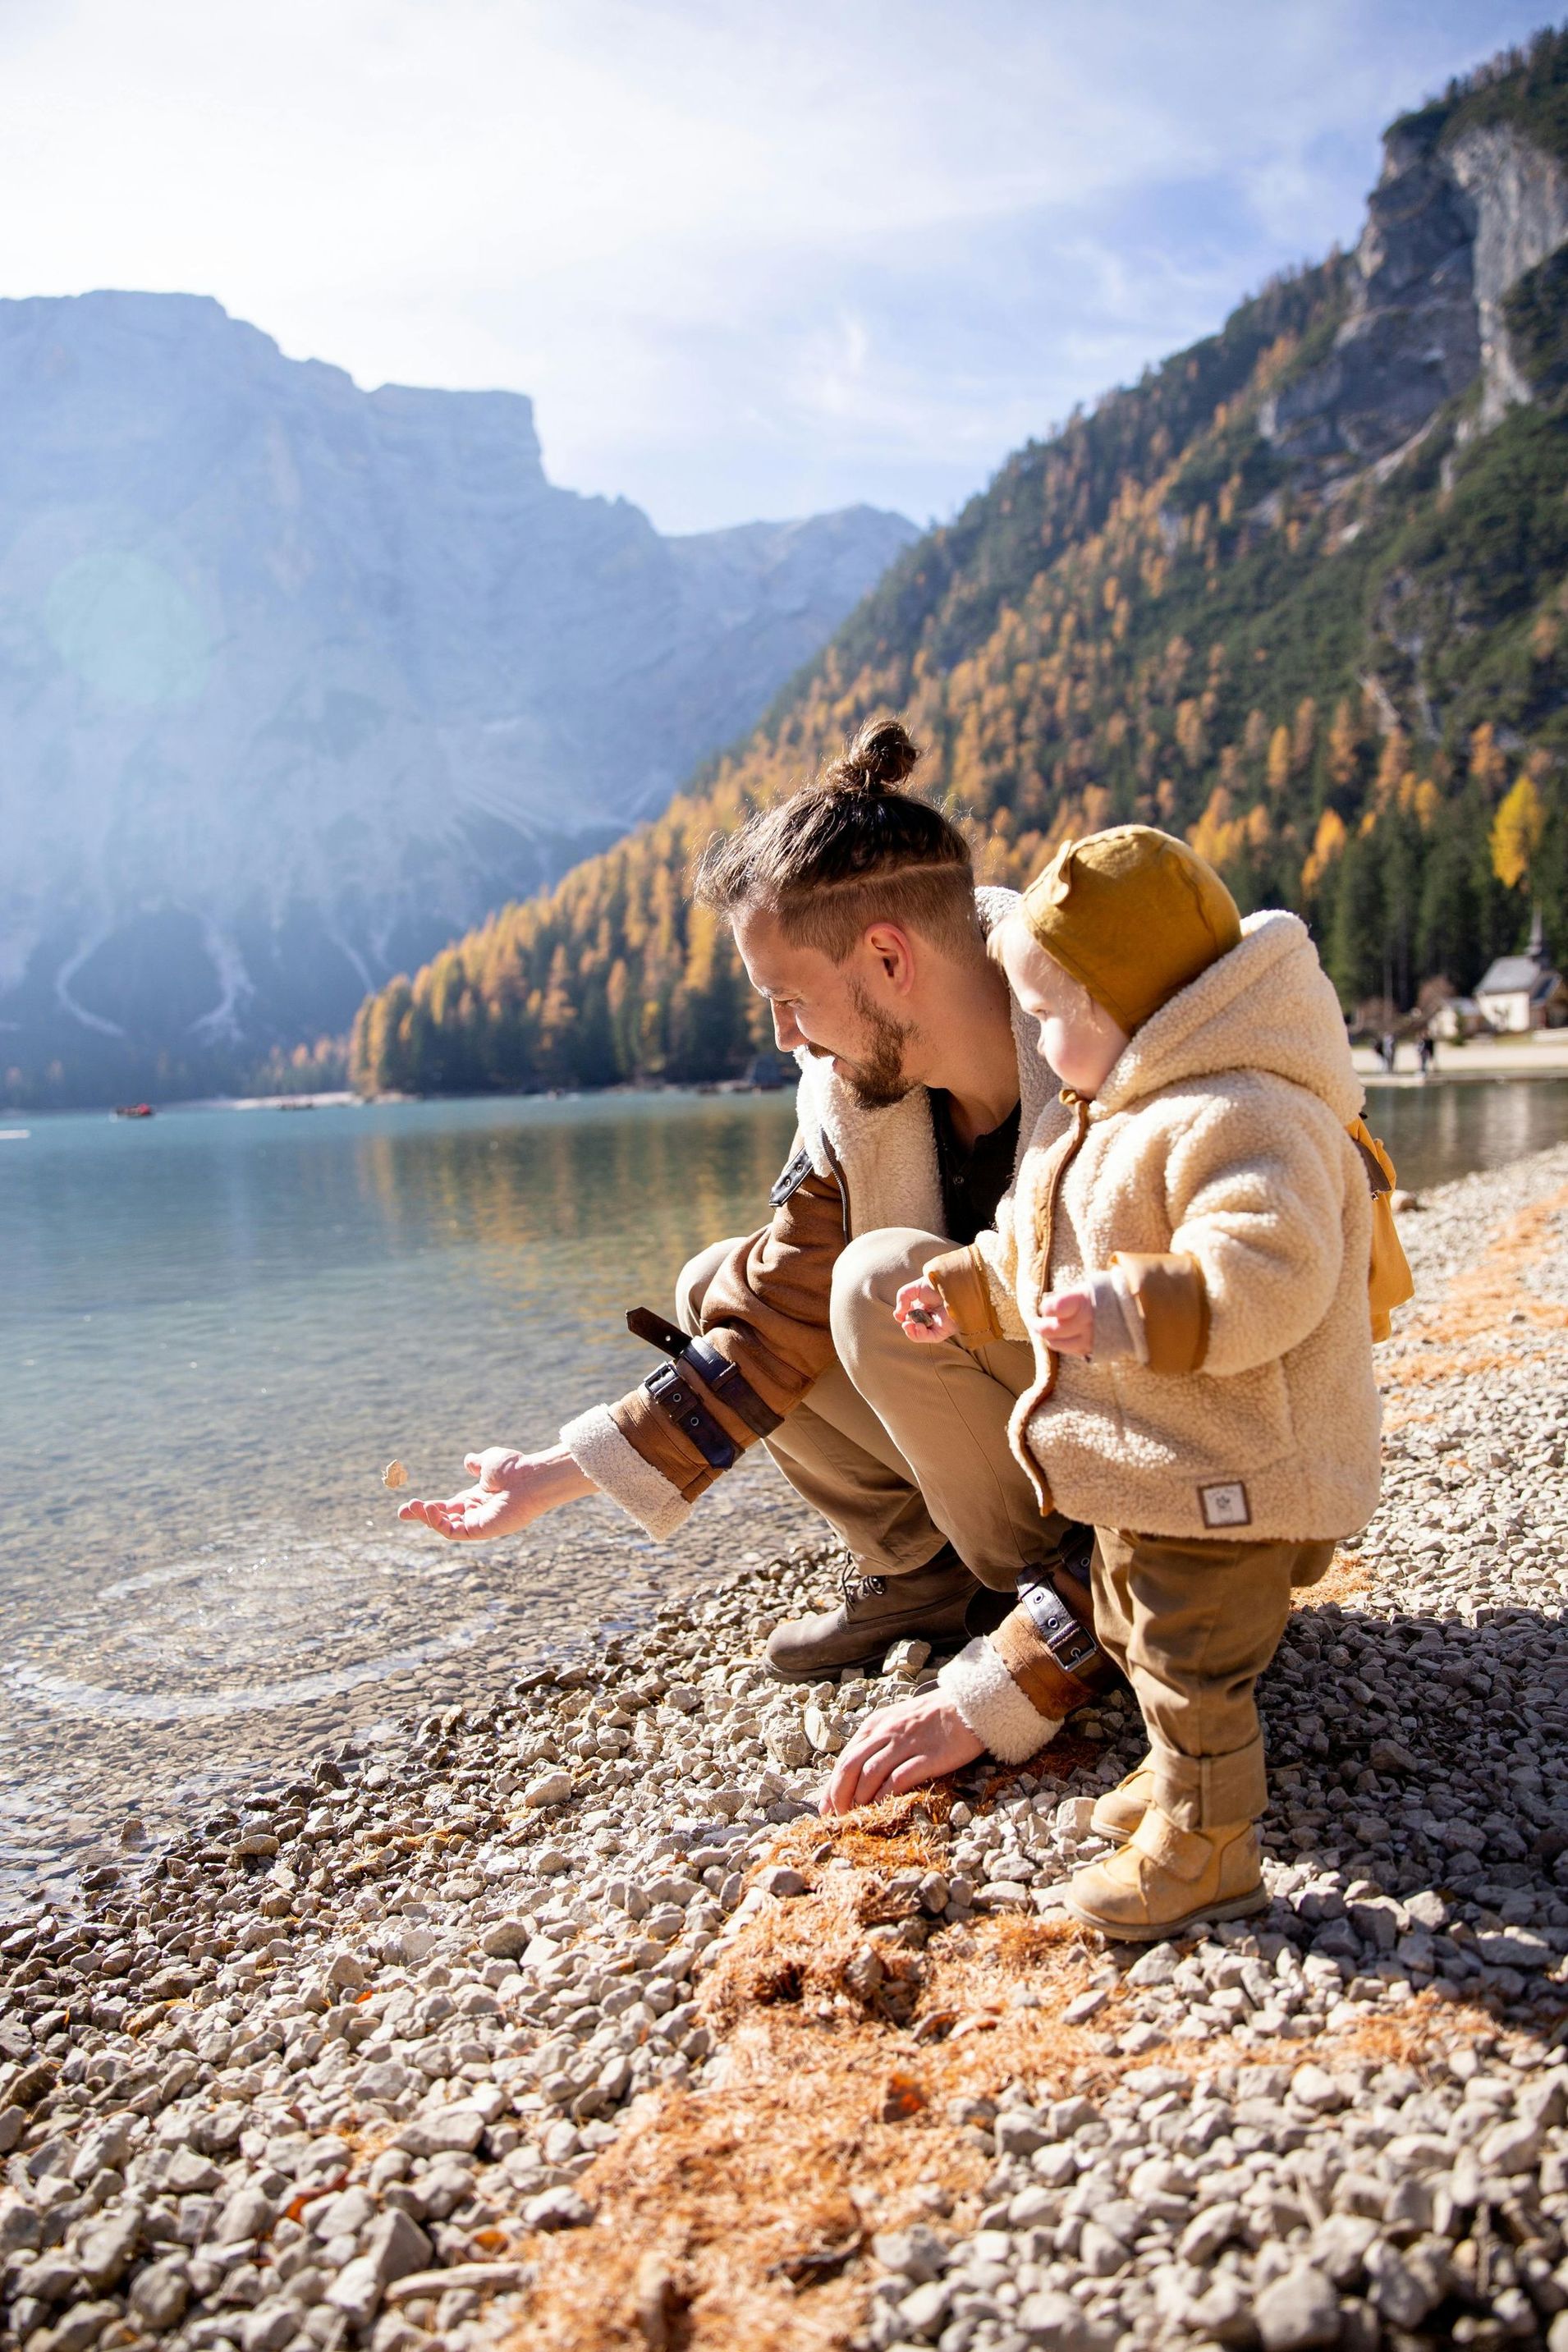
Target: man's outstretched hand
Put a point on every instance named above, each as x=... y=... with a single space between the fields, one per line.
x=509 y=1491
x=900 y=1747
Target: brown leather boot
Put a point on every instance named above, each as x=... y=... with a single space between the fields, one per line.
x=1165 y=1880
x=930 y=1603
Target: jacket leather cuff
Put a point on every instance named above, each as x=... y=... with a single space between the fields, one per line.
x=959 y=1275
x=992 y=1706
x=595 y=1443
x=1170 y=1296
x=1049 y=1688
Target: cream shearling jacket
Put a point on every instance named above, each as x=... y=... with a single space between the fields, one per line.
x=1215 y=1173
x=867 y=1169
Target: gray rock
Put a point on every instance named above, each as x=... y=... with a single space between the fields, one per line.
x=917 y=2253
x=1339 y=2245
x=1057 y=2320
x=923 y=2311
x=1514 y=2146
x=557 y=2209
x=269 y=2327
x=1313 y=2086
x=453 y=2130
x=247 y=2214
x=104 y=2254
x=1298 y=2311
x=1406 y=2287
x=782 y=1880
x=394 y=2246
x=507 y=1940
x=82 y=2326
x=160 y=2293
x=1099 y=2251
x=548 y=1789
x=1020 y=2131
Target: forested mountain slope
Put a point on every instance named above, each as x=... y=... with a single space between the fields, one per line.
x=1301 y=593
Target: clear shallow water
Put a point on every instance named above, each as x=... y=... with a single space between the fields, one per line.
x=1449 y=1127
x=216 y=1326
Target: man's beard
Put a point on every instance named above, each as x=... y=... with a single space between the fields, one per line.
x=877 y=1080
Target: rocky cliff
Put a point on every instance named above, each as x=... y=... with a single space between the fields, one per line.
x=1462 y=214
x=295 y=681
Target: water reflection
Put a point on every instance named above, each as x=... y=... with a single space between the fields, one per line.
x=1448 y=1128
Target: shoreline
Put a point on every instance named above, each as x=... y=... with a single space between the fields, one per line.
x=1479 y=1059
x=562 y=2017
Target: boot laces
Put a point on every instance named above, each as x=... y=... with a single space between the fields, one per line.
x=853 y=1586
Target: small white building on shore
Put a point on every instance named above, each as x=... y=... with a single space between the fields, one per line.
x=1523 y=991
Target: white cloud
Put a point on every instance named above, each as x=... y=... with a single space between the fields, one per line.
x=748 y=257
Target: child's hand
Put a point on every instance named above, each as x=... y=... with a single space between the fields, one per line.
x=509 y=1490
x=1066 y=1322
x=900 y=1748
x=920 y=1314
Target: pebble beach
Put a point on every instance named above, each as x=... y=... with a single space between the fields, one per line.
x=558 y=2017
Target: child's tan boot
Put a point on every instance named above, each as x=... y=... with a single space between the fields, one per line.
x=1120 y=1810
x=1165 y=1880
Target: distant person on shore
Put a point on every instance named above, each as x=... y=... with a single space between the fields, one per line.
x=1426 y=1053
x=1388 y=1051
x=1190 y=1255
x=854 y=910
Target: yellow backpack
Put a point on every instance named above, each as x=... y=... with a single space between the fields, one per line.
x=1389 y=1281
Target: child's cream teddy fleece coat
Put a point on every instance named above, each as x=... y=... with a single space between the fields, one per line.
x=1214 y=1173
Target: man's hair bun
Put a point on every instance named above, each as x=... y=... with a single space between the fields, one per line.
x=876 y=761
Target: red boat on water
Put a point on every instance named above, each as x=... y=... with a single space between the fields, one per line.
x=134 y=1111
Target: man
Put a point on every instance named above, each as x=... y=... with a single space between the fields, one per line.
x=854 y=910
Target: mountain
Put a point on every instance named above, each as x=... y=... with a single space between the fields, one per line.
x=1301 y=593
x=295 y=681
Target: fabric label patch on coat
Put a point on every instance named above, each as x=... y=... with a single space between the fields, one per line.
x=791 y=1179
x=1225 y=1506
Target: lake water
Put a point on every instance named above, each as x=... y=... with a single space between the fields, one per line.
x=216 y=1326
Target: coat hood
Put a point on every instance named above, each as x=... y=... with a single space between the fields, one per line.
x=1267 y=1005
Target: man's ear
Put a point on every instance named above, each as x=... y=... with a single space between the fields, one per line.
x=893 y=949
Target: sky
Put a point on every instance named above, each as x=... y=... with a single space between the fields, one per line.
x=750 y=258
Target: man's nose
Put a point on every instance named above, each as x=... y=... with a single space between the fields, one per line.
x=786 y=1030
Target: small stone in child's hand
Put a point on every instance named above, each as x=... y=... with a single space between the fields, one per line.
x=394 y=1474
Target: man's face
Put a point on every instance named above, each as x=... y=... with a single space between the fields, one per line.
x=833 y=1010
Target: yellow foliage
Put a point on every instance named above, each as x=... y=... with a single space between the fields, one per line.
x=1279 y=770
x=1517 y=831
x=1328 y=843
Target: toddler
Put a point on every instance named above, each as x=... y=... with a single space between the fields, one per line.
x=1190 y=1259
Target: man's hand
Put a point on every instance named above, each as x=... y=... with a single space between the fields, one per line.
x=509 y=1490
x=1066 y=1322
x=919 y=1313
x=900 y=1747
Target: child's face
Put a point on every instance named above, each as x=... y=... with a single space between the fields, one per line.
x=1077 y=1037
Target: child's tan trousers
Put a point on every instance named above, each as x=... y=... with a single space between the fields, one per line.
x=1193 y=1625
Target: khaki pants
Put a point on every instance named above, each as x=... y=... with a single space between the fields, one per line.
x=902 y=1446
x=1193 y=1625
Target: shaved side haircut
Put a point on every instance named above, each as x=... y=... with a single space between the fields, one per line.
x=847 y=851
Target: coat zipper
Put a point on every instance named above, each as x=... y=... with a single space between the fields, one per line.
x=1039 y=1394
x=1079 y=1109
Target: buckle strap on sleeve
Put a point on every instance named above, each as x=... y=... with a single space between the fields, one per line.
x=718 y=1374
x=677 y=1398
x=1071 y=1643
